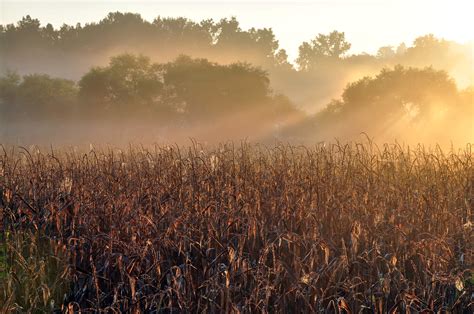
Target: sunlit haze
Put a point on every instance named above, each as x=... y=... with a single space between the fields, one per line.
x=236 y=156
x=298 y=71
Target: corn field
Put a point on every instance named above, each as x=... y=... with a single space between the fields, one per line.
x=237 y=228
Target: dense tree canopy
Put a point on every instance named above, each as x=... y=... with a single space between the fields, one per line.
x=392 y=89
x=322 y=68
x=323 y=47
x=164 y=37
x=210 y=69
x=128 y=81
x=207 y=89
x=195 y=88
x=401 y=96
x=195 y=92
x=36 y=95
x=185 y=90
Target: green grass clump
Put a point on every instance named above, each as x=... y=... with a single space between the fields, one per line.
x=33 y=273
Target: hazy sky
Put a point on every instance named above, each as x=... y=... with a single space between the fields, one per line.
x=368 y=24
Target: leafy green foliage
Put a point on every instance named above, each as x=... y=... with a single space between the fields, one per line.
x=36 y=272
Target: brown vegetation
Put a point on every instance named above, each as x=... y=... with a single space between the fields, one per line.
x=240 y=228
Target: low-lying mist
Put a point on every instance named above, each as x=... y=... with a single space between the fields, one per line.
x=126 y=80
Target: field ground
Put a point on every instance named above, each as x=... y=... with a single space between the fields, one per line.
x=238 y=228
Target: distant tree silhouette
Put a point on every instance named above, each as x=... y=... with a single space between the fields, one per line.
x=166 y=38
x=9 y=88
x=128 y=84
x=188 y=89
x=206 y=89
x=36 y=96
x=393 y=90
x=386 y=52
x=324 y=65
x=411 y=94
x=333 y=45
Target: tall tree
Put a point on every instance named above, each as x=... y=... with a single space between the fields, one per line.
x=127 y=82
x=332 y=45
x=205 y=89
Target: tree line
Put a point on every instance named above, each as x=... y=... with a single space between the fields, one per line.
x=190 y=92
x=223 y=41
x=186 y=90
x=323 y=67
x=206 y=71
x=399 y=102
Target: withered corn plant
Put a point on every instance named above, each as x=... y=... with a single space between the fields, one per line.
x=335 y=228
